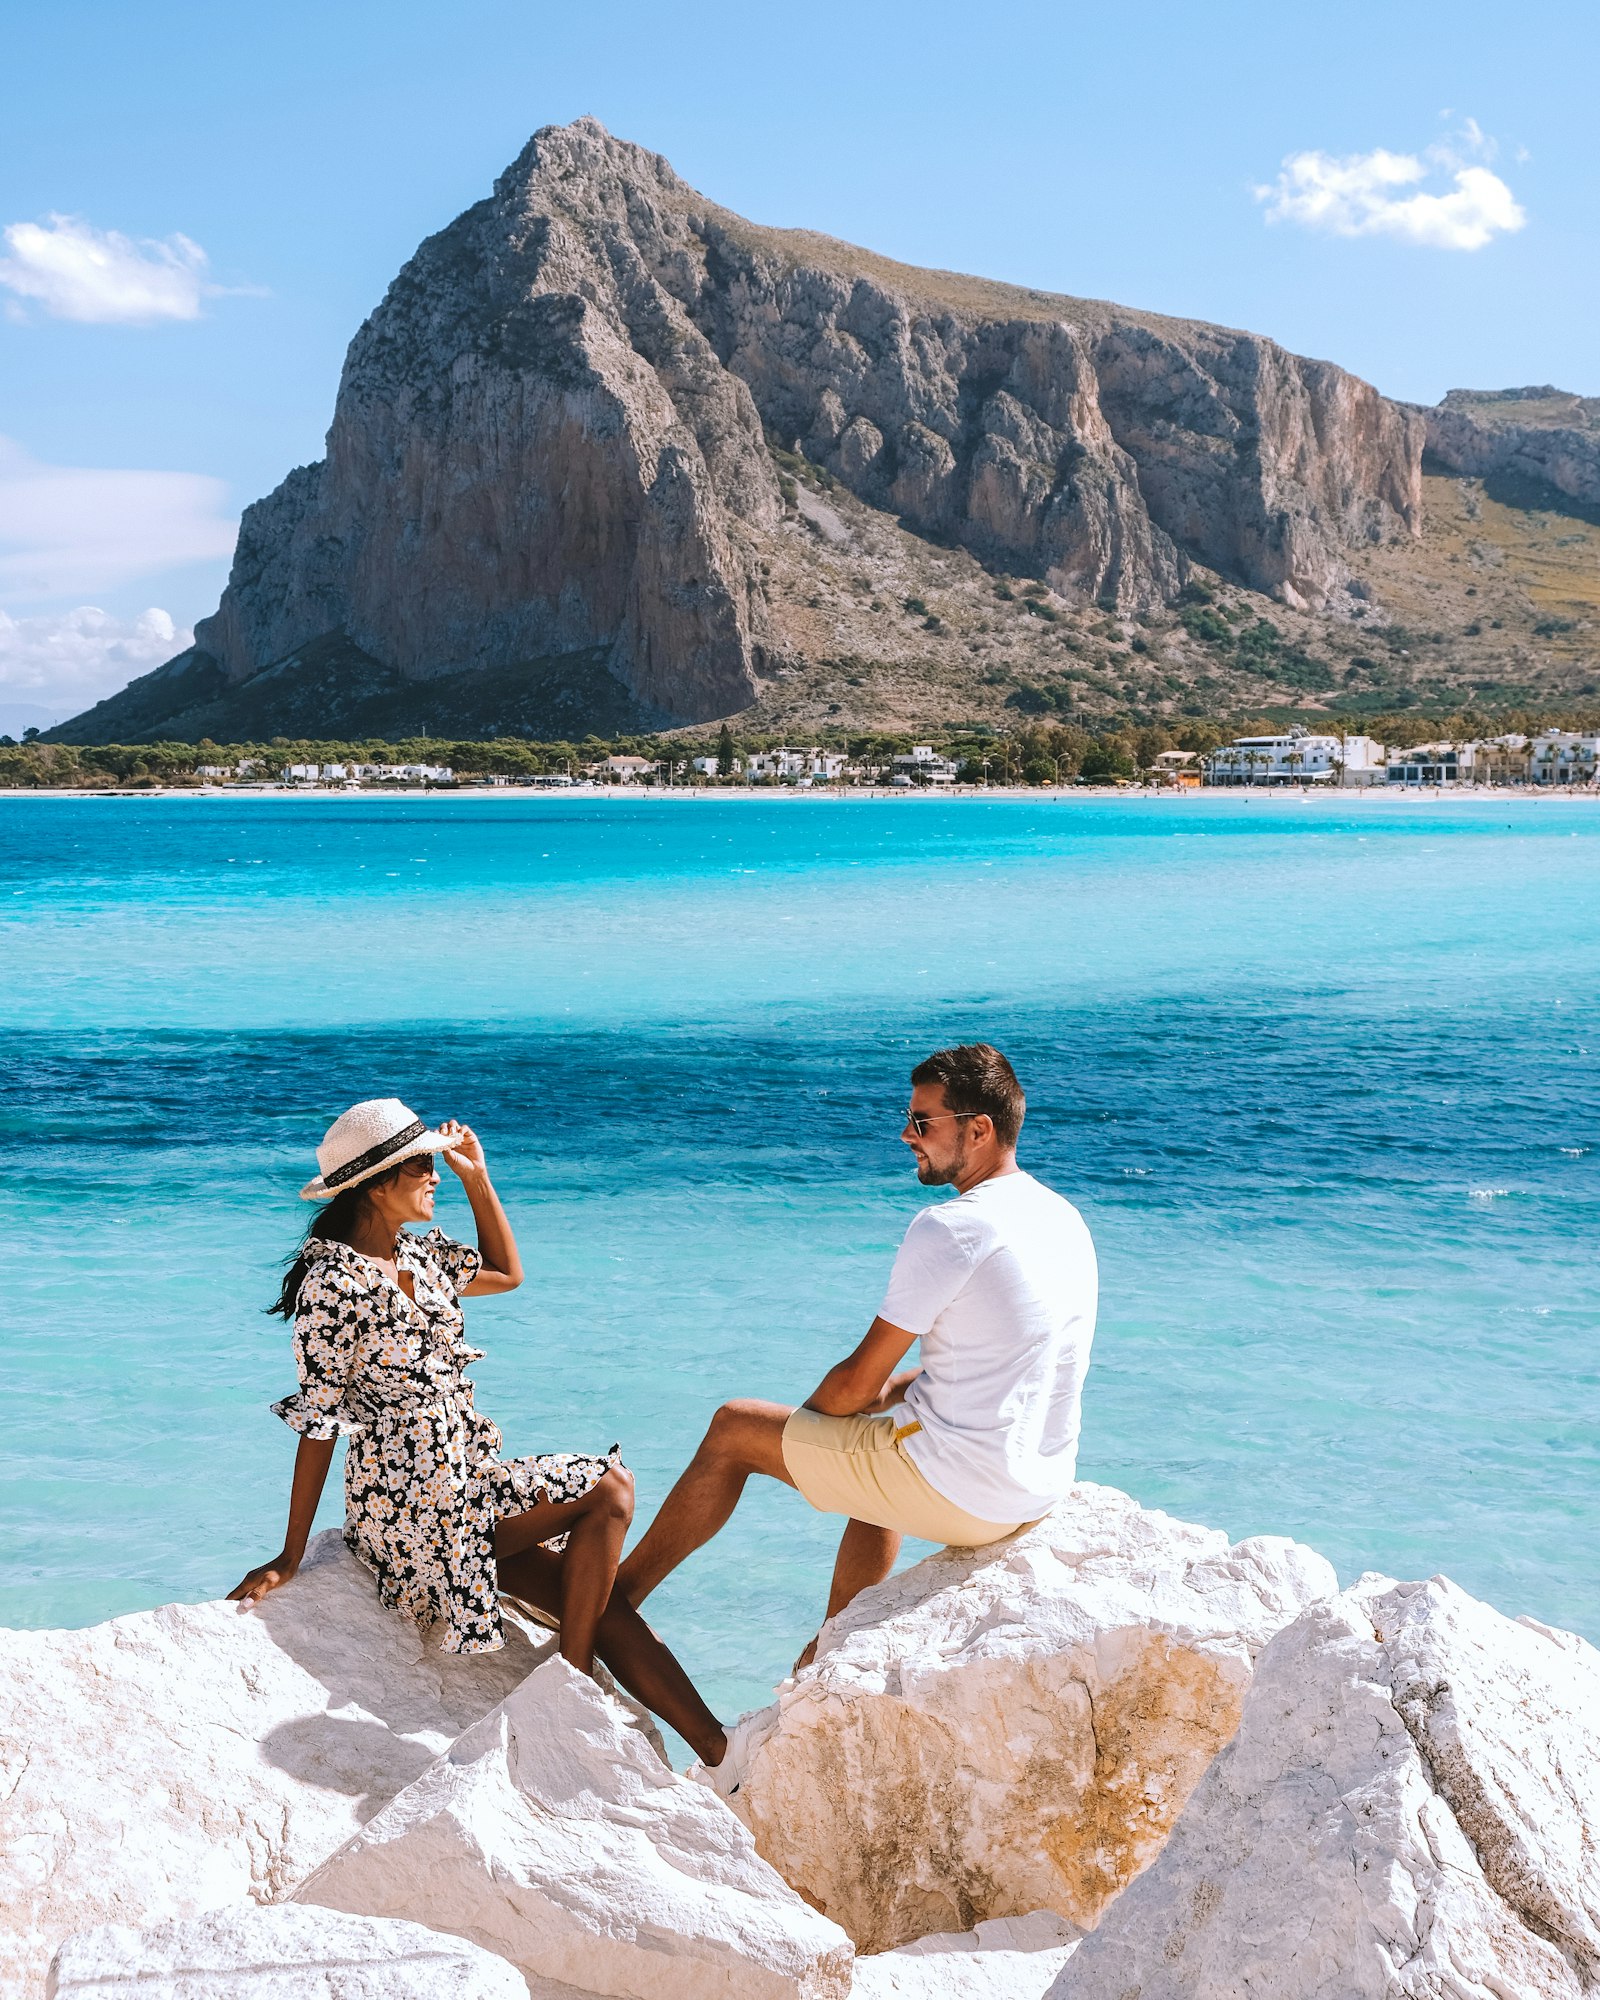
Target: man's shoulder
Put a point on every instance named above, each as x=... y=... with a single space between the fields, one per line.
x=1017 y=1207
x=995 y=1210
x=1019 y=1192
x=937 y=1221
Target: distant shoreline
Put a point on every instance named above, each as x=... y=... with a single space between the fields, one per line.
x=686 y=795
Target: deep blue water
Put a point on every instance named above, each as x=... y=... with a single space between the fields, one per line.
x=1324 y=1078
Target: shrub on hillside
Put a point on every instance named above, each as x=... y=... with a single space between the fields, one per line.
x=1206 y=625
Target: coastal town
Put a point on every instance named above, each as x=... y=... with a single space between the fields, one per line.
x=1294 y=758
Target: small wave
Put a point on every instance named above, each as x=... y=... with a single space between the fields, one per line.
x=1489 y=1194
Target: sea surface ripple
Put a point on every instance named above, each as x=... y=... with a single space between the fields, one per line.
x=1324 y=1078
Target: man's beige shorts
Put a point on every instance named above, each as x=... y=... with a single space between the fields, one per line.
x=859 y=1466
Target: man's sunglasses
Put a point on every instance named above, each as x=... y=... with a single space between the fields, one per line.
x=919 y=1121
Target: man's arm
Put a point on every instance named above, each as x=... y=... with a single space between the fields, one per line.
x=865 y=1382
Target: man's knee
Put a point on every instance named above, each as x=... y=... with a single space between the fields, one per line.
x=723 y=1433
x=743 y=1434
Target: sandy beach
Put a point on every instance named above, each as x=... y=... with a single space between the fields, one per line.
x=1370 y=796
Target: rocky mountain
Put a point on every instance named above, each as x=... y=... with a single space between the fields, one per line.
x=607 y=455
x=1525 y=444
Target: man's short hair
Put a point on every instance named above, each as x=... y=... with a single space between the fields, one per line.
x=977 y=1077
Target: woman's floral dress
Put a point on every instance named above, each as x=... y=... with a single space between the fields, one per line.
x=424 y=1481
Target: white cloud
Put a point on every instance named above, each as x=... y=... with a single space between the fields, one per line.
x=71 y=270
x=1386 y=194
x=67 y=531
x=76 y=658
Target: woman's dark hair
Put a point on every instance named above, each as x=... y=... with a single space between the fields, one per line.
x=335 y=1222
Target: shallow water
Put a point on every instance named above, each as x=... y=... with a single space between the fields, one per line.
x=1324 y=1078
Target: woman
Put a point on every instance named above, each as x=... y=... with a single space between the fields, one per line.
x=433 y=1510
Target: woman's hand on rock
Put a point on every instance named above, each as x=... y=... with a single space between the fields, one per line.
x=464 y=1155
x=265 y=1577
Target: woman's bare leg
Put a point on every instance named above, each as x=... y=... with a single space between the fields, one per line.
x=596 y=1526
x=645 y=1667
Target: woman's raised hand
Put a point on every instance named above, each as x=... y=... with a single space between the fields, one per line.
x=265 y=1577
x=464 y=1155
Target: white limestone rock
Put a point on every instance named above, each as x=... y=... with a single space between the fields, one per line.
x=1008 y=1958
x=1408 y=1812
x=284 y=1953
x=556 y=1835
x=177 y=1760
x=999 y=1731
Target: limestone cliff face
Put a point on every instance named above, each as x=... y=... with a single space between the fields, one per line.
x=1537 y=446
x=548 y=440
x=533 y=453
x=1099 y=447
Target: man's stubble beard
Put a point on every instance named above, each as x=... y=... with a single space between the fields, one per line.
x=931 y=1176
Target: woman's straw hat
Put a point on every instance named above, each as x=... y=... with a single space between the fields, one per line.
x=368 y=1139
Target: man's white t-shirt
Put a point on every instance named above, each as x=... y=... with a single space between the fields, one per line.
x=1000 y=1286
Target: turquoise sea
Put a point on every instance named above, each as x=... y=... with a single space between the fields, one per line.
x=1323 y=1075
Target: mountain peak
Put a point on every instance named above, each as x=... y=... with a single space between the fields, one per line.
x=554 y=440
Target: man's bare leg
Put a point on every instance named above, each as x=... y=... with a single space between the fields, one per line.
x=866 y=1556
x=744 y=1437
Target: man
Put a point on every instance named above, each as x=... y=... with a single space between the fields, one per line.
x=999 y=1285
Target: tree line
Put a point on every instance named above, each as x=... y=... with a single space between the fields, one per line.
x=1037 y=753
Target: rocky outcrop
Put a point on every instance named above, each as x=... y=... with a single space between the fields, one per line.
x=166 y=1763
x=1009 y=1958
x=533 y=453
x=996 y=1732
x=1116 y=1758
x=556 y=1835
x=1408 y=1812
x=1531 y=447
x=287 y=1953
x=548 y=441
x=1099 y=448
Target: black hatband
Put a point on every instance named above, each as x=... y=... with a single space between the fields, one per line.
x=373 y=1157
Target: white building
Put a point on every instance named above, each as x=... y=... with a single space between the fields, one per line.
x=1433 y=764
x=1294 y=759
x=790 y=767
x=1297 y=758
x=387 y=774
x=623 y=770
x=708 y=767
x=1362 y=761
x=1568 y=758
x=1565 y=757
x=923 y=765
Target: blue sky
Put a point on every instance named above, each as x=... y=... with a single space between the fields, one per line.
x=1438 y=229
